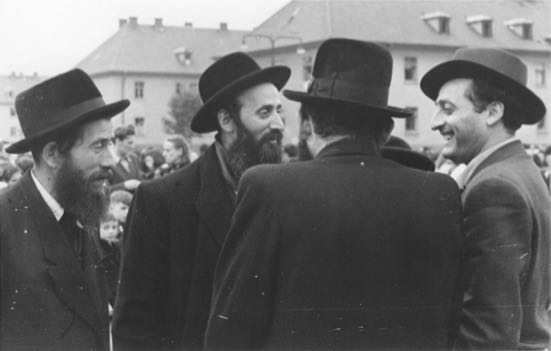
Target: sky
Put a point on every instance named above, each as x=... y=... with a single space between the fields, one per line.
x=51 y=36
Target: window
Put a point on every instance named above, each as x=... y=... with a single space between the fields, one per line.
x=487 y=29
x=13 y=131
x=411 y=122
x=540 y=75
x=12 y=112
x=138 y=90
x=481 y=24
x=438 y=21
x=521 y=27
x=178 y=88
x=139 y=123
x=410 y=69
x=444 y=26
x=307 y=62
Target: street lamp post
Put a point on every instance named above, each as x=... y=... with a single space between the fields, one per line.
x=273 y=39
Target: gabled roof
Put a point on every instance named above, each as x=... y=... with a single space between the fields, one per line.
x=401 y=22
x=154 y=48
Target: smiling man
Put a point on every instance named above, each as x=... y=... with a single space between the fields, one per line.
x=53 y=288
x=178 y=223
x=481 y=100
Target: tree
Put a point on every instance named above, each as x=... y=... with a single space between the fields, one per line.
x=182 y=108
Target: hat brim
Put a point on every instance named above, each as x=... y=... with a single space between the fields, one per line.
x=533 y=107
x=408 y=158
x=303 y=97
x=205 y=120
x=107 y=111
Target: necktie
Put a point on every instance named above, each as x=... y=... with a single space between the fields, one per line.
x=73 y=233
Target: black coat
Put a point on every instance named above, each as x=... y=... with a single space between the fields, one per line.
x=48 y=301
x=120 y=174
x=347 y=251
x=175 y=230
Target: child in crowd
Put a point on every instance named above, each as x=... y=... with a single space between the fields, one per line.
x=109 y=231
x=119 y=203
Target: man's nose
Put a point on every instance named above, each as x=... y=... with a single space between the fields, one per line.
x=437 y=120
x=277 y=122
x=107 y=159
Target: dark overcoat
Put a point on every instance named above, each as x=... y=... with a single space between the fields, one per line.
x=506 y=223
x=347 y=251
x=176 y=226
x=49 y=302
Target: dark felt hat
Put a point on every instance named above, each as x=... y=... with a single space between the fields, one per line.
x=495 y=66
x=227 y=77
x=353 y=73
x=398 y=150
x=49 y=108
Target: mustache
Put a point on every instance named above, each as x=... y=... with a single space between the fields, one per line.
x=102 y=174
x=272 y=135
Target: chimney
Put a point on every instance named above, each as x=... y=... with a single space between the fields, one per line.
x=133 y=21
x=188 y=25
x=122 y=22
x=224 y=26
x=158 y=22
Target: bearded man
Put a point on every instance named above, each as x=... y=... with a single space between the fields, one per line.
x=53 y=286
x=177 y=223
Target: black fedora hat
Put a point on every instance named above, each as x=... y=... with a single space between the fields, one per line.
x=398 y=150
x=227 y=77
x=495 y=66
x=49 y=108
x=354 y=73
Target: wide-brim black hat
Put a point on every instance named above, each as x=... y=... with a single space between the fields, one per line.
x=502 y=69
x=48 y=109
x=351 y=73
x=227 y=77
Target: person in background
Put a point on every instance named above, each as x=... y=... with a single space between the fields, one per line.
x=481 y=101
x=176 y=154
x=126 y=173
x=110 y=234
x=177 y=223
x=53 y=288
x=119 y=203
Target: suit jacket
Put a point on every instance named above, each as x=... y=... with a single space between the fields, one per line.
x=176 y=226
x=48 y=301
x=347 y=251
x=506 y=223
x=121 y=174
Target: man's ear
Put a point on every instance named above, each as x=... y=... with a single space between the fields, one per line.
x=225 y=121
x=495 y=112
x=51 y=156
x=385 y=136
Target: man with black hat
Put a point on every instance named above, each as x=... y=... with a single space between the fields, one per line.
x=178 y=223
x=348 y=250
x=481 y=100
x=54 y=293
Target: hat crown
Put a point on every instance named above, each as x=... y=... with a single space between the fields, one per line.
x=352 y=70
x=497 y=60
x=225 y=71
x=45 y=104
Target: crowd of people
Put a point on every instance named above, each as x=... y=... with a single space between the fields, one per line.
x=348 y=240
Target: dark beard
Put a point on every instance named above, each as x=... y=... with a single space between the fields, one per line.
x=247 y=152
x=84 y=197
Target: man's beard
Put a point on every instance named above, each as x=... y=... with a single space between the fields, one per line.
x=247 y=152
x=84 y=197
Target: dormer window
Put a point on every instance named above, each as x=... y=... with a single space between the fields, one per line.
x=183 y=55
x=481 y=24
x=438 y=21
x=522 y=27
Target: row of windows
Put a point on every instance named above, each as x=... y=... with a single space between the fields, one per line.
x=410 y=73
x=139 y=88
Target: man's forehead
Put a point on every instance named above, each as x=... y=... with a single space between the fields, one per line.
x=98 y=129
x=453 y=90
x=260 y=93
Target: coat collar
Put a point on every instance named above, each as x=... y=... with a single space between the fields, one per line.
x=214 y=202
x=69 y=280
x=347 y=146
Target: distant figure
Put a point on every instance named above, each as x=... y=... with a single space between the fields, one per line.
x=126 y=172
x=54 y=292
x=176 y=153
x=481 y=101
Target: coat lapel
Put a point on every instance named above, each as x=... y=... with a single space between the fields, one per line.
x=67 y=276
x=214 y=203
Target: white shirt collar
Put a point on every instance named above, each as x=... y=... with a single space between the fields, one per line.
x=54 y=206
x=477 y=161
